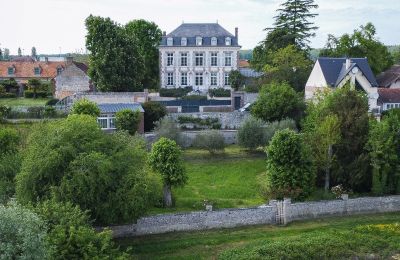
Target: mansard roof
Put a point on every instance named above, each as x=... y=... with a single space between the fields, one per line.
x=334 y=69
x=204 y=30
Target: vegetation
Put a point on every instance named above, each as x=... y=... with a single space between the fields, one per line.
x=219 y=92
x=73 y=160
x=13 y=102
x=362 y=236
x=210 y=140
x=85 y=107
x=165 y=159
x=289 y=167
x=236 y=79
x=37 y=89
x=153 y=112
x=175 y=92
x=167 y=128
x=277 y=102
x=251 y=134
x=128 y=120
x=273 y=127
x=198 y=122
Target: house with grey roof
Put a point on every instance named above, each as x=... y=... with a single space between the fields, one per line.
x=198 y=55
x=336 y=72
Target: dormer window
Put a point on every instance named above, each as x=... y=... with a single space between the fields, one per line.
x=199 y=41
x=170 y=41
x=10 y=70
x=36 y=70
x=214 y=41
x=227 y=41
x=183 y=41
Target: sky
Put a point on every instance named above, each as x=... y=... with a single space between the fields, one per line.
x=57 y=26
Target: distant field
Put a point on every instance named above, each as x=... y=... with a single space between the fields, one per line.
x=358 y=237
x=23 y=101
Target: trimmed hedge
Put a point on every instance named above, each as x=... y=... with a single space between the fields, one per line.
x=8 y=95
x=175 y=92
x=194 y=97
x=219 y=92
x=39 y=94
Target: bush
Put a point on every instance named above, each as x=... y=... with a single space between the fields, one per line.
x=219 y=92
x=127 y=120
x=73 y=160
x=272 y=128
x=200 y=122
x=289 y=166
x=251 y=134
x=85 y=107
x=36 y=111
x=4 y=111
x=22 y=234
x=9 y=140
x=7 y=95
x=175 y=92
x=153 y=112
x=39 y=94
x=194 y=97
x=10 y=165
x=212 y=141
x=49 y=112
x=167 y=128
x=52 y=102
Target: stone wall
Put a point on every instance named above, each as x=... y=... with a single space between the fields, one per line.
x=276 y=212
x=231 y=120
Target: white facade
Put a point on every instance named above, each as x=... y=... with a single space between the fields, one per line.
x=199 y=67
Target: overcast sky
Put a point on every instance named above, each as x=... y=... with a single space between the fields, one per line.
x=51 y=25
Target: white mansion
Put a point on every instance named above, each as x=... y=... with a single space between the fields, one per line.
x=200 y=55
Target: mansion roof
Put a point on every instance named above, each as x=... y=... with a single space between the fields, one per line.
x=387 y=78
x=389 y=95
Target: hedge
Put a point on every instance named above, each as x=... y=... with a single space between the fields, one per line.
x=39 y=94
x=219 y=92
x=7 y=95
x=175 y=92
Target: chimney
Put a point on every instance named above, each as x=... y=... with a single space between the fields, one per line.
x=348 y=62
x=237 y=34
x=164 y=33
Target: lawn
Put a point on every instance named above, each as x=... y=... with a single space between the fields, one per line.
x=228 y=180
x=331 y=238
x=23 y=101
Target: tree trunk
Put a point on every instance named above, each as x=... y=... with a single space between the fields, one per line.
x=167 y=196
x=328 y=168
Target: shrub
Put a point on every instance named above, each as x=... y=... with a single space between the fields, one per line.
x=49 y=112
x=194 y=97
x=52 y=102
x=212 y=141
x=36 y=111
x=31 y=94
x=9 y=166
x=4 y=111
x=73 y=160
x=219 y=92
x=7 y=95
x=251 y=134
x=22 y=234
x=200 y=122
x=175 y=92
x=289 y=166
x=127 y=120
x=9 y=140
x=167 y=128
x=153 y=112
x=85 y=107
x=272 y=128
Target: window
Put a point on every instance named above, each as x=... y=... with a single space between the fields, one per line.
x=106 y=121
x=59 y=70
x=199 y=59
x=214 y=41
x=214 y=59
x=199 y=41
x=226 y=79
x=37 y=70
x=227 y=41
x=170 y=59
x=199 y=79
x=183 y=41
x=170 y=41
x=184 y=59
x=184 y=79
x=170 y=78
x=213 y=78
x=228 y=59
x=10 y=70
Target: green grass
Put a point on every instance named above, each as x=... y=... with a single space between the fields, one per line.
x=331 y=238
x=228 y=180
x=23 y=101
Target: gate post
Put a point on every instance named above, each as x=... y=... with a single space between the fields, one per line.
x=287 y=202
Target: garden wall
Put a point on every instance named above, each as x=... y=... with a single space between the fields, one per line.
x=276 y=212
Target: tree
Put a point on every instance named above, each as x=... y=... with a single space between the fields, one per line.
x=73 y=160
x=22 y=234
x=147 y=36
x=251 y=134
x=10 y=165
x=276 y=102
x=396 y=56
x=289 y=65
x=115 y=62
x=19 y=52
x=153 y=112
x=165 y=159
x=168 y=128
x=362 y=43
x=127 y=120
x=34 y=85
x=289 y=166
x=6 y=54
x=1 y=54
x=9 y=141
x=384 y=148
x=71 y=235
x=236 y=79
x=210 y=140
x=272 y=127
x=85 y=107
x=33 y=52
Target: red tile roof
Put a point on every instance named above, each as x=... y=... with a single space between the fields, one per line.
x=26 y=69
x=389 y=95
x=244 y=64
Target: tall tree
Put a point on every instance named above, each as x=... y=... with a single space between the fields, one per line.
x=362 y=43
x=115 y=63
x=6 y=54
x=33 y=52
x=1 y=54
x=147 y=36
x=19 y=52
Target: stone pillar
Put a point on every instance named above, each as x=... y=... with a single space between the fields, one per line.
x=287 y=202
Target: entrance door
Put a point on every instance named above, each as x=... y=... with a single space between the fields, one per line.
x=237 y=103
